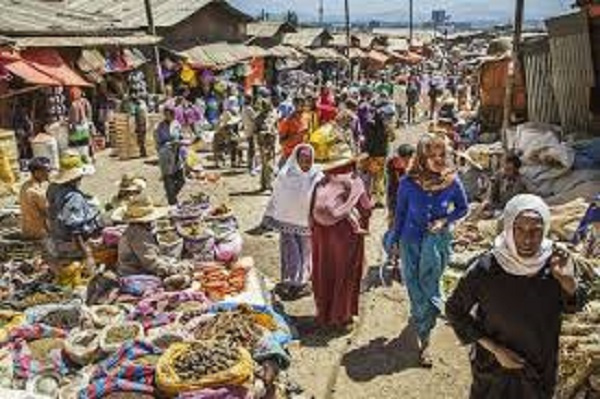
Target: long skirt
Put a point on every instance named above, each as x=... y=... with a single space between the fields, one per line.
x=423 y=265
x=173 y=185
x=338 y=261
x=296 y=259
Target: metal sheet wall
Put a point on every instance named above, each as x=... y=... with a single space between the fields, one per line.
x=541 y=101
x=572 y=70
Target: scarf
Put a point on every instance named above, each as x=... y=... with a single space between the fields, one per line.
x=505 y=250
x=289 y=206
x=419 y=171
x=335 y=199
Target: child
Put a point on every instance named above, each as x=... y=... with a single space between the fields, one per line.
x=396 y=168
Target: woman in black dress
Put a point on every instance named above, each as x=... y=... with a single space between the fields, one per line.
x=509 y=306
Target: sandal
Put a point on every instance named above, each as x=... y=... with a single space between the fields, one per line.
x=425 y=359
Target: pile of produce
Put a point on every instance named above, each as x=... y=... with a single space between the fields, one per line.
x=218 y=280
x=236 y=326
x=579 y=369
x=66 y=319
x=205 y=358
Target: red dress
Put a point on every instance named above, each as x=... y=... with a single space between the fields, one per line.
x=338 y=263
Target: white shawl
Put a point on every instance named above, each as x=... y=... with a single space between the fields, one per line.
x=505 y=250
x=289 y=206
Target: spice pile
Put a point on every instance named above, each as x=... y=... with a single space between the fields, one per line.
x=238 y=327
x=218 y=281
x=205 y=358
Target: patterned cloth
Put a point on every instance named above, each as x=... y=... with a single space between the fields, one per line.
x=25 y=365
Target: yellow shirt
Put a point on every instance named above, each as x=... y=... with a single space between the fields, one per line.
x=34 y=208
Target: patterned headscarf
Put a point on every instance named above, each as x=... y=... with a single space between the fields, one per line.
x=419 y=170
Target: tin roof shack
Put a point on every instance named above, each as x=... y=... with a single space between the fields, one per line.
x=308 y=38
x=182 y=24
x=268 y=34
x=594 y=13
x=537 y=62
x=572 y=70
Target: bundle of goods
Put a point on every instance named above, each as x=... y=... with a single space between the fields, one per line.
x=471 y=239
x=64 y=317
x=328 y=145
x=197 y=365
x=222 y=211
x=198 y=239
x=113 y=336
x=579 y=369
x=197 y=206
x=82 y=346
x=218 y=280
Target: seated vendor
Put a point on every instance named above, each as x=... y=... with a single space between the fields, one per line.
x=505 y=184
x=129 y=187
x=139 y=249
x=72 y=217
x=32 y=200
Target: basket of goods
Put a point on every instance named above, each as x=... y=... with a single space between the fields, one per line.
x=203 y=364
x=39 y=294
x=9 y=320
x=220 y=212
x=45 y=385
x=164 y=337
x=64 y=317
x=218 y=282
x=198 y=240
x=82 y=346
x=103 y=315
x=194 y=208
x=170 y=244
x=113 y=336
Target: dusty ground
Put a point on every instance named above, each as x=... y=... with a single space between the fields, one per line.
x=378 y=360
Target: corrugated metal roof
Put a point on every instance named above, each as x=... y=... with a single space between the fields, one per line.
x=96 y=15
x=87 y=41
x=221 y=55
x=132 y=13
x=325 y=54
x=304 y=37
x=266 y=29
x=282 y=51
x=397 y=44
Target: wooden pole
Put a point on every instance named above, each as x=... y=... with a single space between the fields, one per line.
x=152 y=31
x=348 y=38
x=410 y=23
x=512 y=69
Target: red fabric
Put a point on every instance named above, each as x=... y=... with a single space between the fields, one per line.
x=51 y=63
x=12 y=62
x=326 y=108
x=338 y=262
x=292 y=132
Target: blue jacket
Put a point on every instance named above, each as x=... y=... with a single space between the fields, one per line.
x=417 y=208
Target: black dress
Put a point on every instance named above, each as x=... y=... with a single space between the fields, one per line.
x=521 y=313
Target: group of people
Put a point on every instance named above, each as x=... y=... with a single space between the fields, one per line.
x=508 y=305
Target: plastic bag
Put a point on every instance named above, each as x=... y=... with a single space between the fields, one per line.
x=229 y=250
x=82 y=346
x=169 y=382
x=109 y=345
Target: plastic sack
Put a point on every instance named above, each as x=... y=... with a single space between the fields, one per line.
x=10 y=320
x=230 y=249
x=140 y=285
x=6 y=173
x=322 y=141
x=108 y=347
x=169 y=382
x=159 y=310
x=103 y=315
x=82 y=346
x=37 y=314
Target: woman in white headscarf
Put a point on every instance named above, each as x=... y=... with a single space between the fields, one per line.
x=288 y=212
x=509 y=306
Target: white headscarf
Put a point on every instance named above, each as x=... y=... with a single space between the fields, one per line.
x=293 y=190
x=505 y=250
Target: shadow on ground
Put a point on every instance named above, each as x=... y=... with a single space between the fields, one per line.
x=383 y=357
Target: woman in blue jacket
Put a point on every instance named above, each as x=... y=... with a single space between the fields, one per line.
x=431 y=199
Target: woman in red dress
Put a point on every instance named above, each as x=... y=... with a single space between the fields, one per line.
x=338 y=248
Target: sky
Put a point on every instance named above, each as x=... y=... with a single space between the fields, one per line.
x=397 y=10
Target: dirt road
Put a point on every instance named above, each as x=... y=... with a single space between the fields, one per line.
x=379 y=359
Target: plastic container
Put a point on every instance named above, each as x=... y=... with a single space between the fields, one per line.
x=46 y=145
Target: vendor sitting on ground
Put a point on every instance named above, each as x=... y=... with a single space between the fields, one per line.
x=139 y=250
x=505 y=185
x=129 y=187
x=72 y=217
x=32 y=200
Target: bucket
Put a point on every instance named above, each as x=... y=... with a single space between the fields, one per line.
x=45 y=145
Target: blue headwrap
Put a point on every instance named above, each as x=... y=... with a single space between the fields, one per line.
x=592 y=215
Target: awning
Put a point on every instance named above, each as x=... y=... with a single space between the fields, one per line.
x=49 y=62
x=378 y=56
x=221 y=55
x=12 y=62
x=87 y=41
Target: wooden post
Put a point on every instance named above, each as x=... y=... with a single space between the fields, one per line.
x=410 y=23
x=512 y=70
x=152 y=31
x=348 y=38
